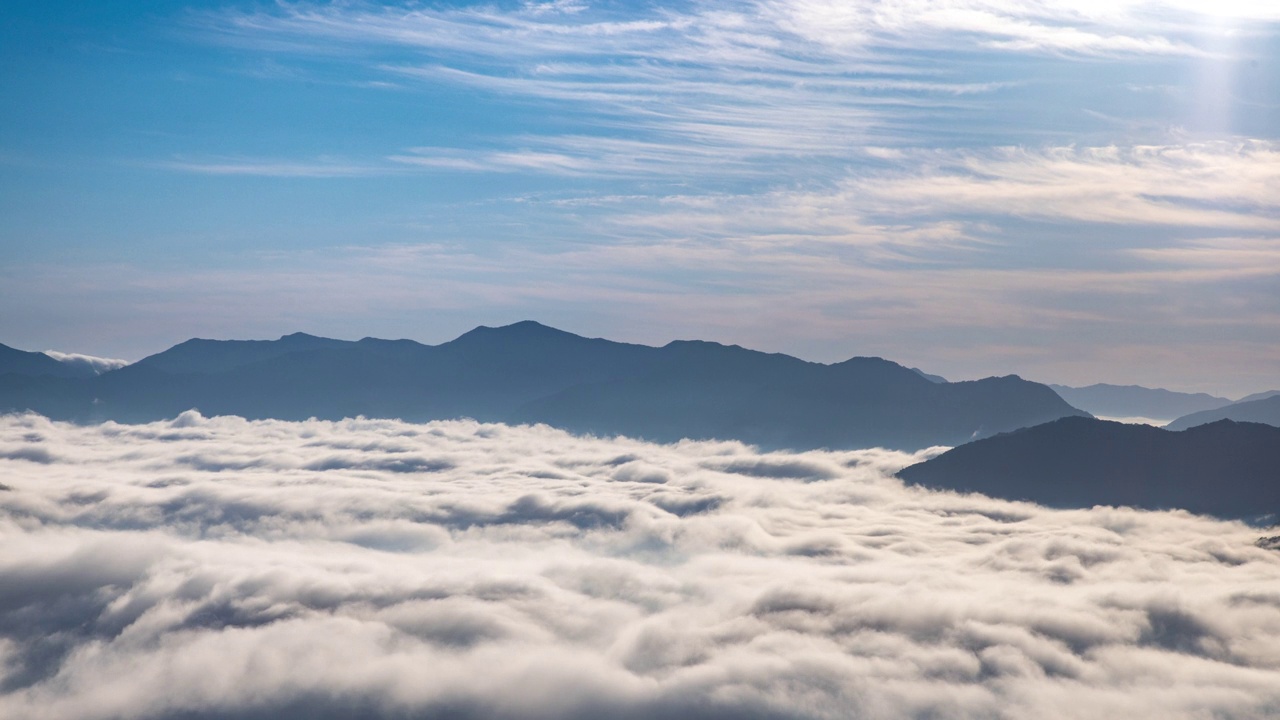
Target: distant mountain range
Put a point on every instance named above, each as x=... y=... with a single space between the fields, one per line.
x=1016 y=439
x=1225 y=468
x=529 y=372
x=1258 y=396
x=1130 y=401
x=1177 y=410
x=1264 y=410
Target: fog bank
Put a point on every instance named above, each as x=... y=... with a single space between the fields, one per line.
x=220 y=568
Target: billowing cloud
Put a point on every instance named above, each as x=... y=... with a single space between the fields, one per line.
x=99 y=365
x=215 y=567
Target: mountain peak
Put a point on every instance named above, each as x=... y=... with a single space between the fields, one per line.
x=525 y=324
x=524 y=327
x=523 y=331
x=1225 y=469
x=199 y=355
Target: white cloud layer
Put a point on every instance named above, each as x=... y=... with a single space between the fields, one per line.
x=99 y=365
x=207 y=568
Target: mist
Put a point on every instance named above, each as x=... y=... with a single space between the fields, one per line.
x=219 y=568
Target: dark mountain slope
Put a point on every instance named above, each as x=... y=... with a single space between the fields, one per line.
x=704 y=390
x=529 y=372
x=36 y=364
x=1226 y=469
x=486 y=373
x=212 y=356
x=1137 y=401
x=55 y=397
x=928 y=376
x=509 y=366
x=1266 y=410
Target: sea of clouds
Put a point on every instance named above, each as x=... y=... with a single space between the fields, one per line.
x=221 y=568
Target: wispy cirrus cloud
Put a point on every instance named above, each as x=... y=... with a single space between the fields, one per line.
x=739 y=31
x=556 y=163
x=955 y=178
x=275 y=167
x=726 y=79
x=743 y=89
x=1217 y=185
x=938 y=201
x=1256 y=256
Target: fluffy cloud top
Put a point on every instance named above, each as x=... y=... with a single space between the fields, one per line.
x=98 y=365
x=209 y=568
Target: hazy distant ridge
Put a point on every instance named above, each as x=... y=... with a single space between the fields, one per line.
x=1266 y=410
x=531 y=373
x=1125 y=401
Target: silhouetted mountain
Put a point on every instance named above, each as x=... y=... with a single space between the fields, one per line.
x=705 y=390
x=37 y=364
x=212 y=356
x=1266 y=410
x=1225 y=468
x=1137 y=401
x=1259 y=396
x=529 y=372
x=929 y=377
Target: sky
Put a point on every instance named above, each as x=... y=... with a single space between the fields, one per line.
x=218 y=568
x=1073 y=191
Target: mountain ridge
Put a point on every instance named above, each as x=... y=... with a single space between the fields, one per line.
x=528 y=372
x=1126 y=401
x=38 y=364
x=1227 y=469
x=1266 y=410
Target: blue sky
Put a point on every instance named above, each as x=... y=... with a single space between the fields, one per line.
x=1073 y=191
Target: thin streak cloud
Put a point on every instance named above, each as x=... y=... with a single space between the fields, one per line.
x=275 y=168
x=1217 y=185
x=738 y=31
x=723 y=78
x=771 y=88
